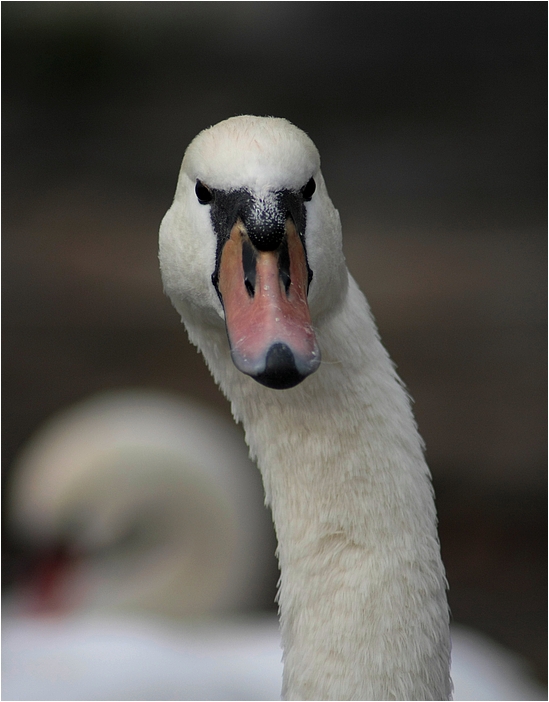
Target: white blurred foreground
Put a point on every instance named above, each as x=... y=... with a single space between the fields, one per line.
x=99 y=658
x=161 y=516
x=105 y=658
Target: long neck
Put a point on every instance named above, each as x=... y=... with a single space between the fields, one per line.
x=362 y=589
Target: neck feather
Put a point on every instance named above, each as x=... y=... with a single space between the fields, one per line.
x=362 y=588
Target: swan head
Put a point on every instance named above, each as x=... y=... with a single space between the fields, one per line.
x=253 y=242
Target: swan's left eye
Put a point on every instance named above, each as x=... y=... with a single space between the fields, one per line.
x=308 y=190
x=203 y=193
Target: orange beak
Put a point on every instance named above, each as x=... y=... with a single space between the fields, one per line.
x=264 y=294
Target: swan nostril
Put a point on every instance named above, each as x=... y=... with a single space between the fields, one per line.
x=249 y=258
x=250 y=289
x=284 y=265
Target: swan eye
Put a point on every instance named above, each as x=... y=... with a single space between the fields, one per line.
x=308 y=190
x=203 y=193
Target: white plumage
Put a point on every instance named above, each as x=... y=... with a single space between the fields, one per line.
x=362 y=591
x=154 y=501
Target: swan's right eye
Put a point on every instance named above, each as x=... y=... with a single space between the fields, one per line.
x=203 y=193
x=308 y=189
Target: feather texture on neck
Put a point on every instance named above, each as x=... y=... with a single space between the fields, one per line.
x=362 y=589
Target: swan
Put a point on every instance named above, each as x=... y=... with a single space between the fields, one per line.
x=167 y=554
x=153 y=502
x=251 y=257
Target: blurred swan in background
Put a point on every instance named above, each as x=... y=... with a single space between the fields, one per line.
x=141 y=501
x=165 y=545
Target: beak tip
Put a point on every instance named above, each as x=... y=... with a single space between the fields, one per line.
x=281 y=369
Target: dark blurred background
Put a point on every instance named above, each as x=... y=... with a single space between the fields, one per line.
x=431 y=122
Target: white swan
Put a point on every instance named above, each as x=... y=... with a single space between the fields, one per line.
x=251 y=257
x=168 y=550
x=154 y=501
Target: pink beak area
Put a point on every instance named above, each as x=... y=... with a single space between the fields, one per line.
x=268 y=323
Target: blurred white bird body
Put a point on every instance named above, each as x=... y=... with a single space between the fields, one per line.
x=155 y=501
x=95 y=657
x=99 y=657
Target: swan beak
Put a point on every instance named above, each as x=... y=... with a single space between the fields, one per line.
x=264 y=295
